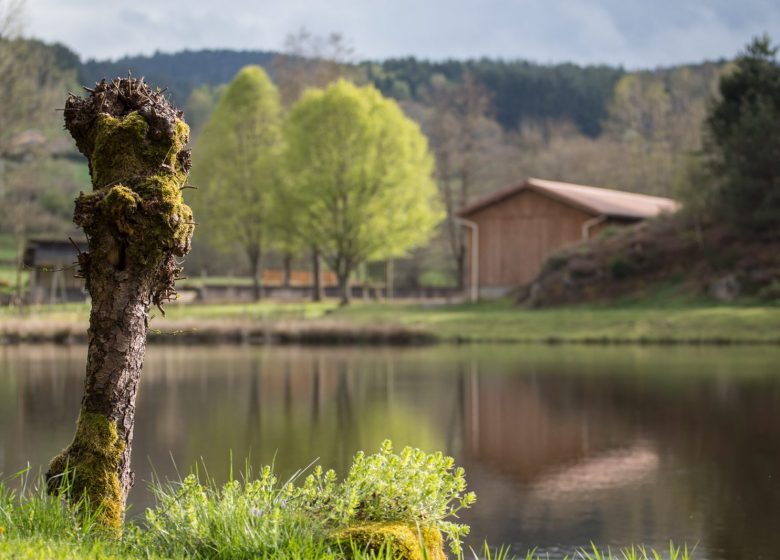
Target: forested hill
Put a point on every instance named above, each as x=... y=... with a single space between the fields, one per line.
x=180 y=72
x=519 y=89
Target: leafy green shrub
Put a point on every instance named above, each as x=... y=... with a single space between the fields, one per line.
x=412 y=487
x=258 y=516
x=620 y=268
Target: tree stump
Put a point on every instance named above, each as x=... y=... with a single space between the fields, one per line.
x=137 y=225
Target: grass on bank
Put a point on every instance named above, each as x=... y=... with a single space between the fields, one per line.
x=8 y=279
x=7 y=248
x=505 y=322
x=686 y=322
x=403 y=502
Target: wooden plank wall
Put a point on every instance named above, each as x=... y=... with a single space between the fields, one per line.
x=518 y=234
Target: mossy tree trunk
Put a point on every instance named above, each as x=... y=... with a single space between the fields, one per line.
x=137 y=225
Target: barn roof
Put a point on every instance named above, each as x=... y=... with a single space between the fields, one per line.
x=53 y=252
x=595 y=200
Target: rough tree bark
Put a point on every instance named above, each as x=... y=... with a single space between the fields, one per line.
x=137 y=225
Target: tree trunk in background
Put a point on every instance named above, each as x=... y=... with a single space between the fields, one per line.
x=316 y=266
x=460 y=261
x=389 y=279
x=344 y=291
x=287 y=280
x=19 y=244
x=137 y=225
x=256 y=268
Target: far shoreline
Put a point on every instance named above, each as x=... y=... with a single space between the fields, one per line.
x=418 y=324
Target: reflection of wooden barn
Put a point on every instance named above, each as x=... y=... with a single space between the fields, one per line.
x=52 y=265
x=517 y=228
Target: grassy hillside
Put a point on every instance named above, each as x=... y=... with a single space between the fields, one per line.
x=667 y=257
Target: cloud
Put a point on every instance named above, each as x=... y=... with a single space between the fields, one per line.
x=633 y=33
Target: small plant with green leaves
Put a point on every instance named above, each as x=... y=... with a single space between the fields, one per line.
x=410 y=487
x=413 y=487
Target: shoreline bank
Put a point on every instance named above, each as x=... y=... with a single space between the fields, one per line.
x=346 y=333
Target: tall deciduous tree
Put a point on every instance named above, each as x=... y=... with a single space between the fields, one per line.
x=362 y=174
x=458 y=129
x=137 y=226
x=237 y=156
x=307 y=60
x=744 y=141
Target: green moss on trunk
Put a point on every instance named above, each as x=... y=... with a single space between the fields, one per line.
x=91 y=464
x=137 y=198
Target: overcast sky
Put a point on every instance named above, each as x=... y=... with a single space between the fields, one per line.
x=629 y=32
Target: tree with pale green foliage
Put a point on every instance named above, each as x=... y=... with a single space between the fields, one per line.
x=361 y=174
x=237 y=167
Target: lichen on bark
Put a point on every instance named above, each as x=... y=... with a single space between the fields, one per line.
x=137 y=226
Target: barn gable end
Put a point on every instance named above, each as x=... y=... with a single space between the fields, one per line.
x=518 y=228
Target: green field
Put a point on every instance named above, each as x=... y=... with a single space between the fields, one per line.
x=484 y=322
x=8 y=279
x=7 y=266
x=7 y=248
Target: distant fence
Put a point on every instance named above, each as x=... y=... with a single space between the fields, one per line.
x=298 y=278
x=228 y=293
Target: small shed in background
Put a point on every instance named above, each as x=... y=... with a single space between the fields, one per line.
x=52 y=263
x=517 y=228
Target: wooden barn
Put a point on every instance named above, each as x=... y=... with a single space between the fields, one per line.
x=515 y=229
x=52 y=266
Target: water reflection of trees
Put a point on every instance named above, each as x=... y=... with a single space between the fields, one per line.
x=561 y=447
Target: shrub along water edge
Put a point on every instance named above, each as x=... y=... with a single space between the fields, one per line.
x=389 y=506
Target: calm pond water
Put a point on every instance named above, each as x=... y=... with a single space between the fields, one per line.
x=562 y=444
